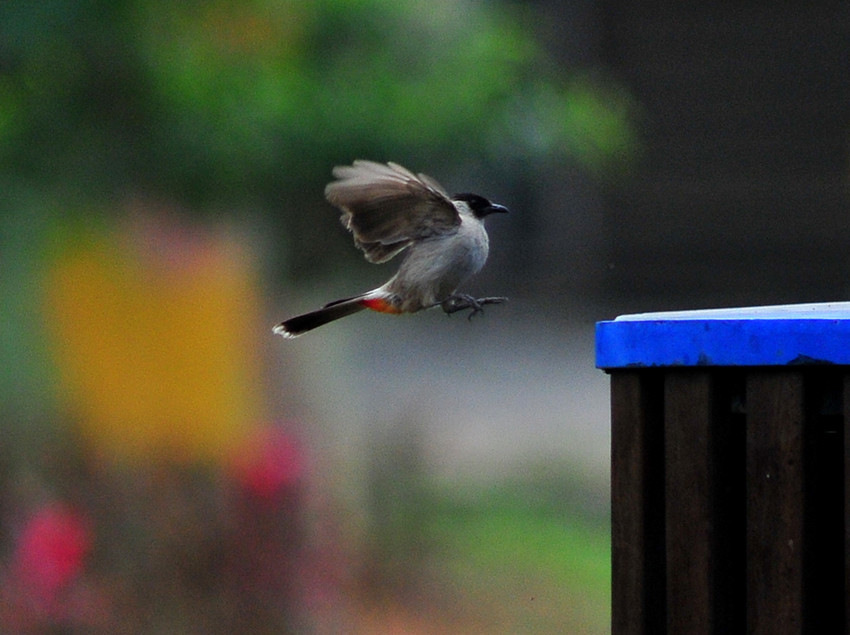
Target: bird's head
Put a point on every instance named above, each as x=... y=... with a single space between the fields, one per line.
x=479 y=205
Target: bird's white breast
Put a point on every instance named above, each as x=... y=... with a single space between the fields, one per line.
x=434 y=268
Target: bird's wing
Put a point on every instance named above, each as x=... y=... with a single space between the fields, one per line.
x=387 y=207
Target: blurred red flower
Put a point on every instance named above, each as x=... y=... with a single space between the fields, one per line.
x=268 y=462
x=50 y=553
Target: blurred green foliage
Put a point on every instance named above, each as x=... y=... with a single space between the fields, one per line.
x=527 y=551
x=223 y=102
x=536 y=570
x=524 y=554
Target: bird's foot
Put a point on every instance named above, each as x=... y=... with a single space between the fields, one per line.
x=460 y=302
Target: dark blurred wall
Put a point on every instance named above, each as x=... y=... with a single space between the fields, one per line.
x=741 y=193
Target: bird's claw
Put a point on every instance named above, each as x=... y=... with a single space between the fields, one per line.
x=460 y=302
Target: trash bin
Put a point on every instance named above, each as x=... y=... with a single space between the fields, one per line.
x=728 y=498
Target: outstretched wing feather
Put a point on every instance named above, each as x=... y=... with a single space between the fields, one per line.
x=387 y=207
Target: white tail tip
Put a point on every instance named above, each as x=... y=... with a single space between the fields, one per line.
x=280 y=329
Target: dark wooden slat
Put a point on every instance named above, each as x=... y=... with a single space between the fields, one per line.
x=846 y=503
x=823 y=483
x=775 y=501
x=690 y=495
x=636 y=530
x=628 y=421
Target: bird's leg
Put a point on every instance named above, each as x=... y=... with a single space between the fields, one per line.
x=461 y=301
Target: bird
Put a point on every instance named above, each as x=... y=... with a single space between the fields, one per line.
x=391 y=211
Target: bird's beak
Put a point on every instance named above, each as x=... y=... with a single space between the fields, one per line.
x=497 y=209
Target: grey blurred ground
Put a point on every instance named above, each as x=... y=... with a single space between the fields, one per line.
x=510 y=391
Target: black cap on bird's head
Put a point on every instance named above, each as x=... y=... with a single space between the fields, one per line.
x=479 y=205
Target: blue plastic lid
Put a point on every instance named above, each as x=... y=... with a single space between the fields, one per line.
x=752 y=336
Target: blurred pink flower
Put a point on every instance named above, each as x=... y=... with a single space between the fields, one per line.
x=268 y=462
x=50 y=553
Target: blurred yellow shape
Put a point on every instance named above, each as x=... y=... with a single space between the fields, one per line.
x=152 y=338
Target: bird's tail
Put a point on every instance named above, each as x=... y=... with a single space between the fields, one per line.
x=374 y=300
